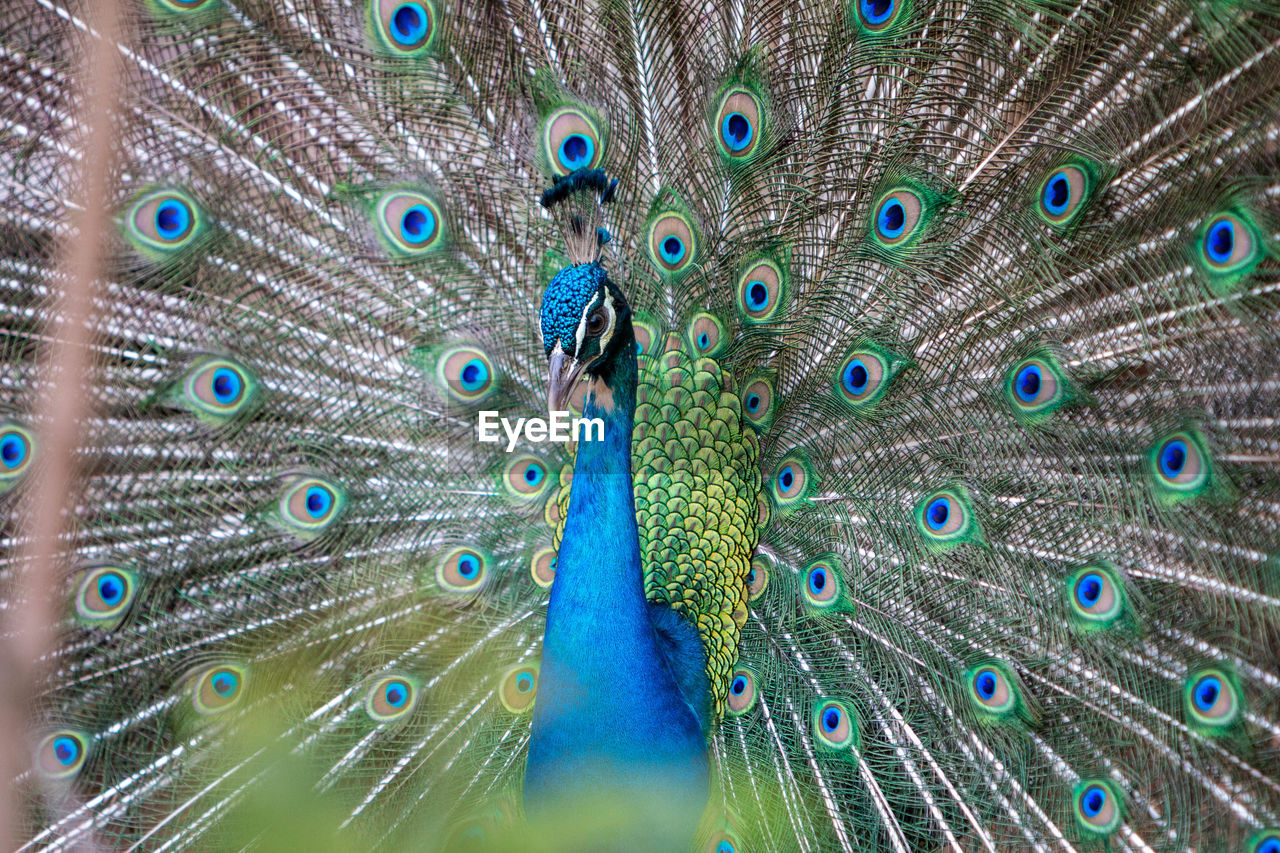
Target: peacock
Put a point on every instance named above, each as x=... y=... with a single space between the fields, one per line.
x=922 y=363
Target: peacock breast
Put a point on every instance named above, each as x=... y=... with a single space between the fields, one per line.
x=699 y=499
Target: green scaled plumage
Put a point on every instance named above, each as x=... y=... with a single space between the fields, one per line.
x=1012 y=259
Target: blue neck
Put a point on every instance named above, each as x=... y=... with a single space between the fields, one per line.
x=610 y=721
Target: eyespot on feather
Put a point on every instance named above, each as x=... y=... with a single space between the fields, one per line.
x=462 y=570
x=1063 y=194
x=758 y=403
x=672 y=242
x=525 y=477
x=1264 y=841
x=737 y=125
x=993 y=691
x=896 y=218
x=821 y=583
x=863 y=378
x=833 y=726
x=519 y=688
x=791 y=482
x=707 y=335
x=310 y=505
x=1098 y=806
x=742 y=692
x=758 y=576
x=761 y=291
x=543 y=567
x=410 y=224
x=1213 y=699
x=404 y=29
x=218 y=688
x=572 y=140
x=1179 y=466
x=218 y=389
x=1096 y=596
x=390 y=698
x=17 y=452
x=1035 y=388
x=878 y=17
x=945 y=519
x=60 y=755
x=161 y=223
x=466 y=373
x=104 y=595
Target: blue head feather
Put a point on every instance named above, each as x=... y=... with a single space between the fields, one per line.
x=566 y=297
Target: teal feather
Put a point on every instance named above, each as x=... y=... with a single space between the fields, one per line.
x=1015 y=256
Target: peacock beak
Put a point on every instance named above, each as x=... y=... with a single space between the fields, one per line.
x=563 y=371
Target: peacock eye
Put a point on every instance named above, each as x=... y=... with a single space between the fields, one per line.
x=1036 y=387
x=597 y=322
x=833 y=725
x=991 y=690
x=467 y=373
x=1098 y=807
x=162 y=222
x=1063 y=193
x=572 y=140
x=526 y=477
x=1096 y=596
x=757 y=403
x=1266 y=841
x=103 y=595
x=218 y=390
x=896 y=217
x=757 y=577
x=943 y=515
x=543 y=567
x=671 y=242
x=390 y=698
x=707 y=334
x=760 y=291
x=16 y=454
x=877 y=16
x=737 y=123
x=1179 y=463
x=462 y=570
x=742 y=692
x=822 y=584
x=519 y=688
x=405 y=29
x=409 y=223
x=60 y=755
x=1212 y=698
x=218 y=688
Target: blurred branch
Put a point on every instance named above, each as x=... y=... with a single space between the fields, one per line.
x=32 y=621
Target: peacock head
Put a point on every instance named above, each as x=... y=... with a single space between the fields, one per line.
x=586 y=326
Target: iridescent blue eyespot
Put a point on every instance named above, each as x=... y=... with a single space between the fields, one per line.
x=822 y=582
x=417 y=225
x=13 y=450
x=737 y=124
x=742 y=692
x=1173 y=458
x=786 y=479
x=736 y=131
x=937 y=513
x=1027 y=383
x=1099 y=809
x=462 y=570
x=757 y=296
x=1220 y=241
x=318 y=501
x=577 y=151
x=985 y=685
x=993 y=691
x=519 y=688
x=672 y=242
x=1264 y=841
x=172 y=219
x=672 y=250
x=856 y=377
x=834 y=726
x=791 y=484
x=61 y=754
x=1057 y=194
x=525 y=477
x=892 y=219
x=390 y=698
x=818 y=580
x=1089 y=589
x=753 y=403
x=1063 y=193
x=103 y=595
x=226 y=386
x=408 y=24
x=876 y=12
x=1213 y=699
x=217 y=688
x=404 y=29
x=474 y=375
